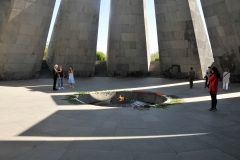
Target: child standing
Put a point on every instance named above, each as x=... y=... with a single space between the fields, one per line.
x=71 y=80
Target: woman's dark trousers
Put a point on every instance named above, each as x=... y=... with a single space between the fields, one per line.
x=206 y=82
x=214 y=100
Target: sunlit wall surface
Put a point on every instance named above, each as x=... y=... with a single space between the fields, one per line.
x=127 y=43
x=24 y=27
x=176 y=39
x=223 y=23
x=74 y=38
x=202 y=40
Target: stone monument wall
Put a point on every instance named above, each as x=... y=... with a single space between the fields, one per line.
x=74 y=38
x=182 y=37
x=24 y=27
x=223 y=23
x=176 y=39
x=203 y=44
x=128 y=51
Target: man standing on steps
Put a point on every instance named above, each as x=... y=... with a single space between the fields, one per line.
x=191 y=75
x=55 y=76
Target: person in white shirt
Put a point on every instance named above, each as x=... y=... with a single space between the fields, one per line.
x=226 y=79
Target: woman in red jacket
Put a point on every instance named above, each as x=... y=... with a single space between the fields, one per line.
x=213 y=87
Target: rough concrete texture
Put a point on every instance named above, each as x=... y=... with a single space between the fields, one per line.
x=223 y=23
x=24 y=27
x=203 y=43
x=101 y=69
x=74 y=38
x=128 y=51
x=154 y=69
x=176 y=38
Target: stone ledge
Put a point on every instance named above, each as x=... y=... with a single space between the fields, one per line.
x=148 y=97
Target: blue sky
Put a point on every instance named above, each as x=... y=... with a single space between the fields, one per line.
x=103 y=25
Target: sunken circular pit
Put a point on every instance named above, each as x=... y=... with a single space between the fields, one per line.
x=134 y=99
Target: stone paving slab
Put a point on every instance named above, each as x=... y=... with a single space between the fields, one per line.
x=206 y=154
x=36 y=123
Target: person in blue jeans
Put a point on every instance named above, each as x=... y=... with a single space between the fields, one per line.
x=60 y=78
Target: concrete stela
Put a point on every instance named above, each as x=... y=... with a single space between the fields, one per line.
x=182 y=38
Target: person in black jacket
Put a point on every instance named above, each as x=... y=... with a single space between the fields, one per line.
x=191 y=75
x=55 y=76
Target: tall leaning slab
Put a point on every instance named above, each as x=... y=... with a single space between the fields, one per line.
x=74 y=38
x=24 y=27
x=203 y=43
x=128 y=49
x=223 y=23
x=181 y=43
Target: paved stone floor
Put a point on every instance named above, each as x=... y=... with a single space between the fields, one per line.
x=35 y=123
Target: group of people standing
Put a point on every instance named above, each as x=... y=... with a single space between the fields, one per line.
x=211 y=81
x=212 y=77
x=58 y=75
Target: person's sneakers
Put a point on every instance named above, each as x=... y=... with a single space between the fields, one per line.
x=214 y=110
x=63 y=88
x=211 y=109
x=59 y=87
x=72 y=86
